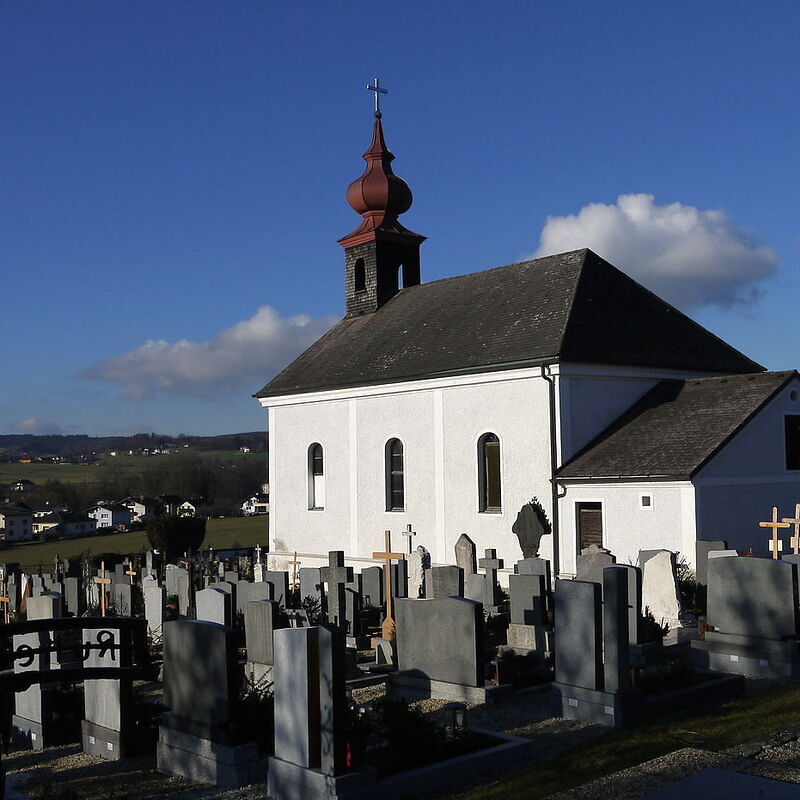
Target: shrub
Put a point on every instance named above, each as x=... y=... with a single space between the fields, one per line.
x=173 y=536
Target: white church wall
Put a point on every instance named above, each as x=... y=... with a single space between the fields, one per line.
x=745 y=479
x=628 y=526
x=439 y=423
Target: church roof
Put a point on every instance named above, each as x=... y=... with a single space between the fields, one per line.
x=572 y=307
x=676 y=428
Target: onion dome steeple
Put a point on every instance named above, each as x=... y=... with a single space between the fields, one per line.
x=377 y=249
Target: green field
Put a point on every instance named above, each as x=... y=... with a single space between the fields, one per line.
x=220 y=533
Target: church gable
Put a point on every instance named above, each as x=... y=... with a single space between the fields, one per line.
x=572 y=307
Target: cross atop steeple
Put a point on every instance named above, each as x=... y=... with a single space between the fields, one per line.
x=376 y=87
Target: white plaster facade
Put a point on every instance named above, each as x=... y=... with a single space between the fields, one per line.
x=439 y=422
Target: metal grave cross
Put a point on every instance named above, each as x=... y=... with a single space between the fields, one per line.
x=408 y=533
x=102 y=582
x=776 y=545
x=376 y=87
x=295 y=564
x=388 y=626
x=795 y=540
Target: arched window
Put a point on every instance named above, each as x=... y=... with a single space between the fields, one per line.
x=359 y=276
x=489 y=483
x=395 y=476
x=316 y=477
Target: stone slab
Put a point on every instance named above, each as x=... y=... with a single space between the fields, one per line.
x=702 y=548
x=578 y=651
x=413 y=687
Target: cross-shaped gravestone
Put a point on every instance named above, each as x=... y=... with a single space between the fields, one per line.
x=295 y=564
x=378 y=92
x=258 y=554
x=491 y=563
x=336 y=575
x=408 y=533
x=102 y=582
x=388 y=626
x=776 y=545
x=795 y=540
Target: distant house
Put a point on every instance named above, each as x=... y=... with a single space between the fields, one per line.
x=64 y=523
x=142 y=507
x=170 y=504
x=257 y=504
x=43 y=511
x=187 y=509
x=23 y=485
x=16 y=523
x=244 y=449
x=110 y=515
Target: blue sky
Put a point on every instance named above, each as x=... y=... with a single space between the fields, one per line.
x=168 y=170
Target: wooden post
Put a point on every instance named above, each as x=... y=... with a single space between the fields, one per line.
x=6 y=601
x=102 y=582
x=795 y=540
x=388 y=626
x=776 y=545
x=295 y=564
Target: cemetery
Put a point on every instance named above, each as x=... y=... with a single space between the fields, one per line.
x=326 y=682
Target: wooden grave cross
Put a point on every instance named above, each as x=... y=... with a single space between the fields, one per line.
x=795 y=540
x=388 y=626
x=408 y=533
x=776 y=545
x=102 y=582
x=295 y=564
x=131 y=573
x=6 y=601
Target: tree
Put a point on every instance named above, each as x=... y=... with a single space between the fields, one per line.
x=173 y=536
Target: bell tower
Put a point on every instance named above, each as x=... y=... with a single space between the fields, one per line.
x=380 y=251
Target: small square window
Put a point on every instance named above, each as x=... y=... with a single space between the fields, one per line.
x=646 y=502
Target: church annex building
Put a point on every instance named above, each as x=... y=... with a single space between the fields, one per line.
x=449 y=405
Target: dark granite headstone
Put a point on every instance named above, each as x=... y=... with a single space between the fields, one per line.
x=616 y=634
x=444 y=582
x=578 y=659
x=528 y=599
x=372 y=586
x=279 y=580
x=702 y=548
x=310 y=584
x=260 y=622
x=591 y=563
x=400 y=579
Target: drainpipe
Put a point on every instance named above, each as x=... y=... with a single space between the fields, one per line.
x=553 y=467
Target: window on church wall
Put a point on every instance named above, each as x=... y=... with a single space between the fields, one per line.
x=792 y=433
x=395 y=476
x=360 y=276
x=489 y=480
x=316 y=477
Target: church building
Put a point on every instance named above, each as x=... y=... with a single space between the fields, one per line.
x=443 y=408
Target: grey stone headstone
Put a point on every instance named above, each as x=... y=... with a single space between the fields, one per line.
x=702 y=548
x=279 y=580
x=616 y=633
x=491 y=563
x=475 y=587
x=440 y=639
x=590 y=564
x=155 y=600
x=753 y=597
x=335 y=577
x=529 y=530
x=247 y=592
x=310 y=584
x=73 y=596
x=231 y=575
x=122 y=598
x=634 y=600
x=660 y=591
x=352 y=603
x=578 y=649
x=260 y=622
x=441 y=582
x=721 y=554
x=400 y=579
x=214 y=605
x=200 y=677
x=106 y=702
x=418 y=561
x=372 y=586
x=466 y=557
x=528 y=599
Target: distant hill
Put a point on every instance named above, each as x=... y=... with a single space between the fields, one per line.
x=23 y=444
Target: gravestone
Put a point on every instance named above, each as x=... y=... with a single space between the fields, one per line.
x=353 y=606
x=279 y=581
x=528 y=600
x=122 y=598
x=74 y=598
x=178 y=582
x=529 y=527
x=591 y=563
x=372 y=587
x=107 y=727
x=260 y=623
x=616 y=633
x=155 y=602
x=466 y=555
x=214 y=605
x=310 y=706
x=538 y=566
x=578 y=655
x=418 y=561
x=634 y=600
x=475 y=587
x=335 y=577
x=231 y=576
x=660 y=592
x=400 y=579
x=702 y=548
x=311 y=584
x=200 y=739
x=443 y=582
x=35 y=722
x=247 y=592
x=491 y=563
x=440 y=640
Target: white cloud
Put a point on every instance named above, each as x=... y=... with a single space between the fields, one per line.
x=687 y=256
x=245 y=355
x=35 y=426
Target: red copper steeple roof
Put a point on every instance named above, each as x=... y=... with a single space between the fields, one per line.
x=379 y=196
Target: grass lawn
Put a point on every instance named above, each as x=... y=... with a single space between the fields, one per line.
x=733 y=723
x=220 y=533
x=41 y=473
